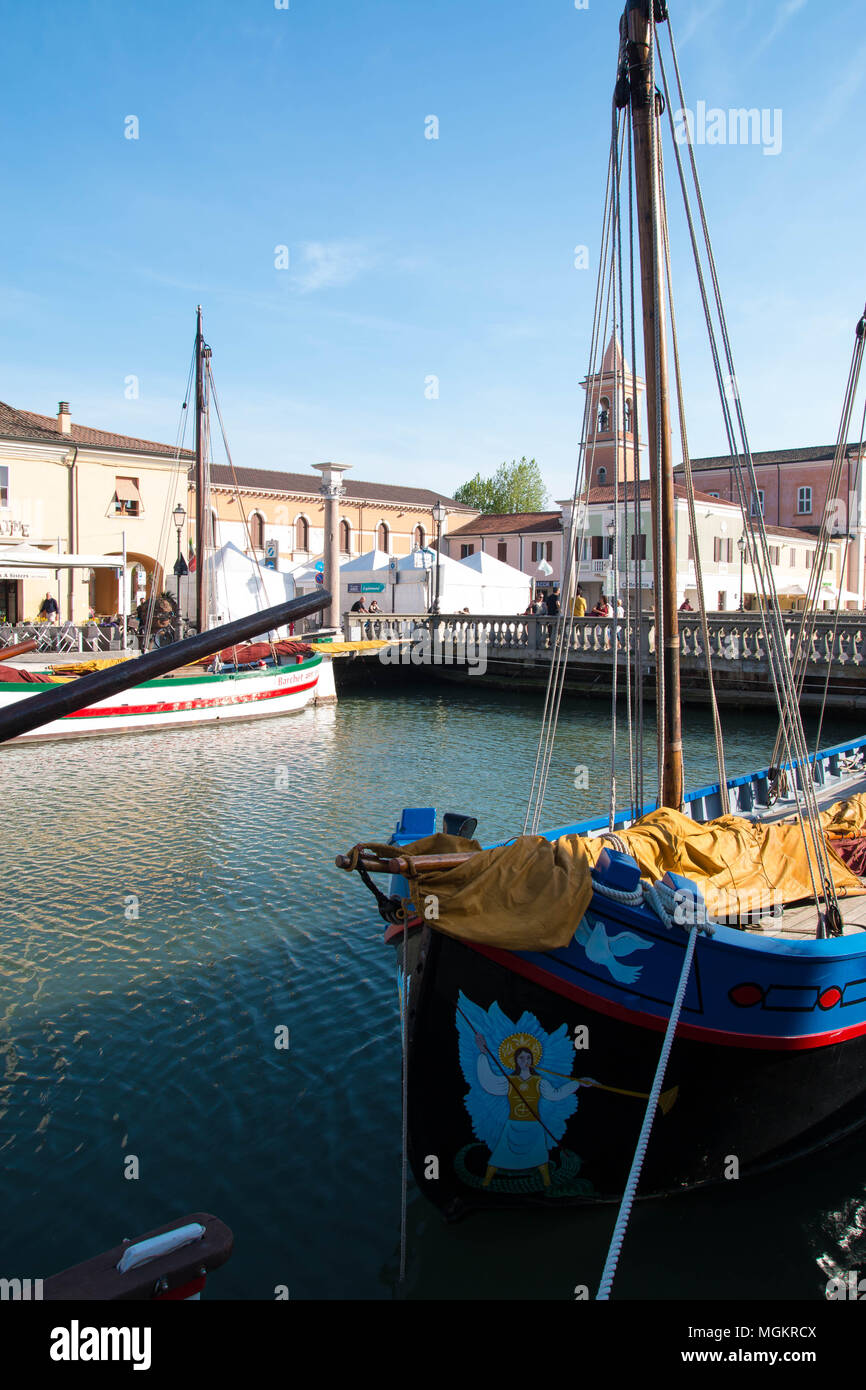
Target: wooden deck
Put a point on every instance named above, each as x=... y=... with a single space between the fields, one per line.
x=800 y=921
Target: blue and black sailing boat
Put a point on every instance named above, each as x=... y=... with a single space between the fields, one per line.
x=685 y=979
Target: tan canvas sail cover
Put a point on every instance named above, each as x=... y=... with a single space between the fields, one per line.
x=531 y=895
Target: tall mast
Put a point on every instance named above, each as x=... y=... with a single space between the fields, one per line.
x=644 y=117
x=199 y=477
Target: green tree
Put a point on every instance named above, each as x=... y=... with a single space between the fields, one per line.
x=515 y=487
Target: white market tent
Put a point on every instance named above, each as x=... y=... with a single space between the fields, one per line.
x=237 y=586
x=28 y=557
x=369 y=568
x=506 y=589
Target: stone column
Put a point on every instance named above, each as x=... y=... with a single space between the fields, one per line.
x=332 y=490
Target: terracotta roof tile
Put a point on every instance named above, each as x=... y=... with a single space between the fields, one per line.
x=814 y=453
x=26 y=426
x=509 y=522
x=307 y=484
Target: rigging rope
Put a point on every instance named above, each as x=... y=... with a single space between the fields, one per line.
x=773 y=628
x=628 y=1196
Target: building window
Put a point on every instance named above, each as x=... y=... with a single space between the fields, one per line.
x=603 y=415
x=808 y=559
x=383 y=537
x=345 y=538
x=542 y=550
x=601 y=477
x=466 y=550
x=712 y=494
x=691 y=549
x=257 y=531
x=723 y=549
x=774 y=554
x=804 y=500
x=420 y=537
x=127 y=498
x=638 y=546
x=4 y=486
x=628 y=415
x=792 y=557
x=759 y=504
x=502 y=552
x=302 y=533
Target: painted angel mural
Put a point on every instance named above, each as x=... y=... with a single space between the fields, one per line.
x=521 y=1091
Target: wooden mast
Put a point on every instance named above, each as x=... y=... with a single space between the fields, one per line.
x=648 y=195
x=199 y=477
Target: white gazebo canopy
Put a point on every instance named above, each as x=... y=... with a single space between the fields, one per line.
x=28 y=557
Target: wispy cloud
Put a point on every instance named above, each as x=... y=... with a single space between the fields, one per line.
x=834 y=106
x=695 y=21
x=785 y=12
x=327 y=264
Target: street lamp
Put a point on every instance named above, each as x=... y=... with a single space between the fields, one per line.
x=439 y=515
x=741 y=546
x=179 y=564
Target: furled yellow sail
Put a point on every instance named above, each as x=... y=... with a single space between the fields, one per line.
x=530 y=895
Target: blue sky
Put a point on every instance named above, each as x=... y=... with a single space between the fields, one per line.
x=409 y=257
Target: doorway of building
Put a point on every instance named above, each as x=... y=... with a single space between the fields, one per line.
x=9 y=605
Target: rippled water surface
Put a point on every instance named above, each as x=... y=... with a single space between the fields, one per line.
x=170 y=900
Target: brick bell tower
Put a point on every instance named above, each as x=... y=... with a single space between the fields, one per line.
x=615 y=398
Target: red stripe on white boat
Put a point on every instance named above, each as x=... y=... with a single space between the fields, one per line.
x=94 y=712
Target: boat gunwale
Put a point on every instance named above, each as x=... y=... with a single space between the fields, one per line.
x=172 y=681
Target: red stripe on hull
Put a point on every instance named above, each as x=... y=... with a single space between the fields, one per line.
x=164 y=708
x=713 y=1036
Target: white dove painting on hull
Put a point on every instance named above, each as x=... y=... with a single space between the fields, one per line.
x=606 y=950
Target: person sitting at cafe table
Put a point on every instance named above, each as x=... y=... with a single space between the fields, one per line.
x=49 y=609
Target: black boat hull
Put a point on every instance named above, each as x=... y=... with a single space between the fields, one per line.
x=728 y=1111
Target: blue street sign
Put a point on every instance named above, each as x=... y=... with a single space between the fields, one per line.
x=320 y=566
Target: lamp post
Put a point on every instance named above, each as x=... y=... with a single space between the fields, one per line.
x=179 y=515
x=741 y=546
x=439 y=515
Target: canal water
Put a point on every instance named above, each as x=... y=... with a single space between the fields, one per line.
x=170 y=902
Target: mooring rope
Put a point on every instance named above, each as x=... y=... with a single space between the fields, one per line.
x=630 y=1192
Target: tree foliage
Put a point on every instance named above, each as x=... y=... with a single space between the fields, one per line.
x=514 y=487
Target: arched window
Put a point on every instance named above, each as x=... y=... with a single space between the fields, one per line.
x=383 y=537
x=603 y=415
x=257 y=531
x=601 y=476
x=345 y=538
x=420 y=537
x=628 y=410
x=302 y=533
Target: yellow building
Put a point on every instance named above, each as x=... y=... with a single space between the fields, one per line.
x=78 y=490
x=69 y=488
x=288 y=510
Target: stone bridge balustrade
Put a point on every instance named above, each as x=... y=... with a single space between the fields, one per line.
x=736 y=639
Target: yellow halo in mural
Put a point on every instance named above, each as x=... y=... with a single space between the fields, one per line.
x=517 y=1042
